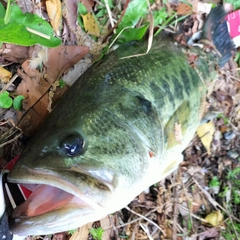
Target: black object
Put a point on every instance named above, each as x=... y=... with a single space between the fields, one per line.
x=5 y=234
x=215 y=30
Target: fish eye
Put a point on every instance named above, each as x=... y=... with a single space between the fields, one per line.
x=72 y=144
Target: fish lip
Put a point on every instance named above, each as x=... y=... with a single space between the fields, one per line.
x=51 y=222
x=20 y=224
x=25 y=174
x=50 y=178
x=91 y=206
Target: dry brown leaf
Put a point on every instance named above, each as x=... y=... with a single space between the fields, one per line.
x=215 y=218
x=108 y=227
x=194 y=169
x=34 y=87
x=209 y=233
x=183 y=9
x=5 y=75
x=14 y=53
x=141 y=197
x=90 y=24
x=62 y=58
x=82 y=232
x=205 y=133
x=54 y=9
x=88 y=4
x=70 y=9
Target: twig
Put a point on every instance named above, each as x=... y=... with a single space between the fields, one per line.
x=143 y=217
x=145 y=229
x=9 y=83
x=133 y=221
x=174 y=233
x=118 y=22
x=17 y=136
x=234 y=227
x=192 y=214
x=109 y=13
x=118 y=36
x=213 y=202
x=134 y=232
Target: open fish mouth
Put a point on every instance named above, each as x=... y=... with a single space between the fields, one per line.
x=45 y=198
x=55 y=204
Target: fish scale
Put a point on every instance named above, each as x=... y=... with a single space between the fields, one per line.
x=106 y=107
x=112 y=135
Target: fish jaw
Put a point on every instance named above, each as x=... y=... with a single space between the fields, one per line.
x=80 y=209
x=72 y=206
x=36 y=217
x=68 y=217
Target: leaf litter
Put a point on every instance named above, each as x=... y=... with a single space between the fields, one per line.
x=186 y=205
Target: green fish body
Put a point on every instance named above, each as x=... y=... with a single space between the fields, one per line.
x=111 y=136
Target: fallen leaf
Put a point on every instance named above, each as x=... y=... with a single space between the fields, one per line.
x=54 y=9
x=60 y=236
x=82 y=232
x=215 y=218
x=90 y=24
x=183 y=9
x=70 y=9
x=5 y=75
x=205 y=133
x=107 y=223
x=14 y=53
x=209 y=233
x=192 y=170
x=34 y=87
x=88 y=4
x=62 y=58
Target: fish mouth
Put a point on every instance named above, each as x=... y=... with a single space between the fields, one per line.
x=55 y=204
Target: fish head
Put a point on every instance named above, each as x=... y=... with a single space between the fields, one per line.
x=78 y=172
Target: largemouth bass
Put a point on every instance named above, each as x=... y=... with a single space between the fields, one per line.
x=113 y=135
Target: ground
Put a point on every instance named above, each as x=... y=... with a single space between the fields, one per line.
x=198 y=201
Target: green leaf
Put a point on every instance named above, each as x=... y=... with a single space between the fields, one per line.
x=101 y=13
x=110 y=3
x=5 y=100
x=237 y=57
x=131 y=34
x=62 y=84
x=16 y=30
x=236 y=4
x=2 y=11
x=160 y=16
x=8 y=12
x=97 y=233
x=135 y=11
x=17 y=102
x=82 y=9
x=214 y=182
x=72 y=231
